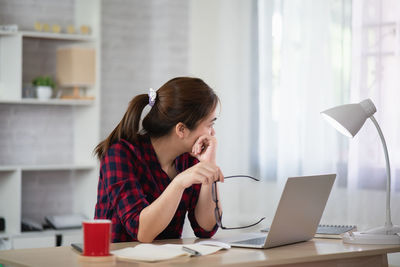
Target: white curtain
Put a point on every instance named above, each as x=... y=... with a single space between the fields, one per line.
x=375 y=68
x=321 y=54
x=309 y=44
x=375 y=75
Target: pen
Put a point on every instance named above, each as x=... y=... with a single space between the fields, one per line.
x=191 y=251
x=77 y=247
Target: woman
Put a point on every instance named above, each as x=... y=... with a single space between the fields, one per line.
x=150 y=179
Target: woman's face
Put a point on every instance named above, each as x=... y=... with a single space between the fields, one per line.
x=205 y=127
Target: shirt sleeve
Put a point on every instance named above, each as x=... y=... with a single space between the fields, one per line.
x=197 y=229
x=124 y=189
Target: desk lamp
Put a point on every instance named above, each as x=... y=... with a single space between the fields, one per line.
x=348 y=119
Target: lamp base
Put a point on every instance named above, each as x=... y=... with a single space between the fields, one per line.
x=384 y=235
x=77 y=98
x=76 y=95
x=383 y=230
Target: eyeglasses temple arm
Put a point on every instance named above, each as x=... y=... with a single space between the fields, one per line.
x=239 y=176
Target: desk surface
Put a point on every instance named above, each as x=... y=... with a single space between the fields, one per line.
x=304 y=254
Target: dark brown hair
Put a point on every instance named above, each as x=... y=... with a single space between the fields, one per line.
x=182 y=99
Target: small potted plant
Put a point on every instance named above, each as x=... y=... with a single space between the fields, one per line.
x=44 y=87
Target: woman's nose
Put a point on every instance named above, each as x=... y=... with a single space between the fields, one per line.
x=212 y=132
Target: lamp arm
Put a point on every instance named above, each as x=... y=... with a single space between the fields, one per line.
x=388 y=222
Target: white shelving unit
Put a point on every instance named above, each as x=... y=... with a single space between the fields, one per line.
x=85 y=114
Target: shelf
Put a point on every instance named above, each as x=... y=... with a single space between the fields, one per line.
x=4 y=235
x=52 y=167
x=74 y=167
x=7 y=168
x=49 y=232
x=50 y=35
x=8 y=33
x=33 y=101
x=41 y=233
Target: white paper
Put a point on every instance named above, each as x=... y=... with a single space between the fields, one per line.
x=203 y=249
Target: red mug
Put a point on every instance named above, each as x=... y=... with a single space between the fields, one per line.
x=96 y=237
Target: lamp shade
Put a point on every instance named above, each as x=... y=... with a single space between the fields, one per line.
x=76 y=66
x=348 y=119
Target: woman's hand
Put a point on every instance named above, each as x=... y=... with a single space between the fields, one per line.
x=205 y=149
x=201 y=173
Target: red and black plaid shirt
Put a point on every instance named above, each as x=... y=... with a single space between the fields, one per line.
x=131 y=178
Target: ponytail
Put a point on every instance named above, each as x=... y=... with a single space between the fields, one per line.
x=127 y=128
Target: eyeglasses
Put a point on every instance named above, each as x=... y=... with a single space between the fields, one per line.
x=218 y=212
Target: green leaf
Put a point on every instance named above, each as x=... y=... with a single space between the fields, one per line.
x=43 y=81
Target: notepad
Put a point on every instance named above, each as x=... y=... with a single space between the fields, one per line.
x=154 y=253
x=335 y=229
x=330 y=231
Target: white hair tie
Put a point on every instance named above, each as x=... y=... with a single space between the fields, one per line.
x=152 y=97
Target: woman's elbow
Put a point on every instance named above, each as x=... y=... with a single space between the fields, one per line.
x=143 y=237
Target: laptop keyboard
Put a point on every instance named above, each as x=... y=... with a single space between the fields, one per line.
x=253 y=241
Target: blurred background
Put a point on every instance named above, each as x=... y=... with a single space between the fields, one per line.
x=275 y=65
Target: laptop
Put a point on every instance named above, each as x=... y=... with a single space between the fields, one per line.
x=298 y=214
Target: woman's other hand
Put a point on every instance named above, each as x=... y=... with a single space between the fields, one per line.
x=201 y=173
x=205 y=149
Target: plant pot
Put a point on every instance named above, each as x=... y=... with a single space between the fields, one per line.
x=44 y=92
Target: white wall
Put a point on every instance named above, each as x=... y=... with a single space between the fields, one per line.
x=216 y=56
x=220 y=52
x=144 y=44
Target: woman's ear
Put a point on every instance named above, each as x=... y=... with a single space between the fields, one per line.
x=180 y=130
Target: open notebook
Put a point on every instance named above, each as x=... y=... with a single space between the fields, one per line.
x=154 y=253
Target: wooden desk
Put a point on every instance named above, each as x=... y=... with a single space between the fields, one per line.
x=317 y=252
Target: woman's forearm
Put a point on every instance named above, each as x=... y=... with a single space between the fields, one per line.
x=156 y=217
x=205 y=207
